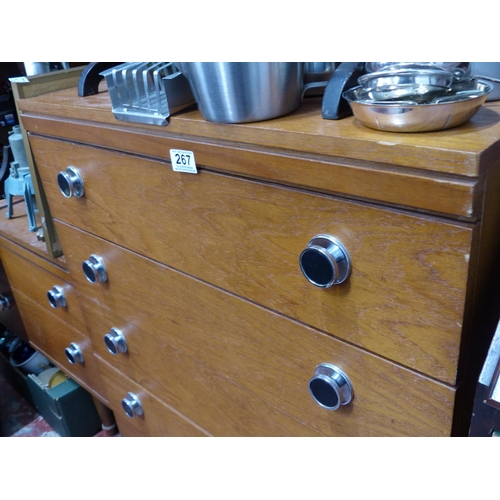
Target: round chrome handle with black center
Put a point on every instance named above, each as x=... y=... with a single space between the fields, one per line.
x=70 y=183
x=325 y=261
x=6 y=302
x=56 y=297
x=94 y=269
x=330 y=387
x=74 y=354
x=132 y=406
x=115 y=341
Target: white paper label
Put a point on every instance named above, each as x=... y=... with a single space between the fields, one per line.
x=183 y=161
x=19 y=79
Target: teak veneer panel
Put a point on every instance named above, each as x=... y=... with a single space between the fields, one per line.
x=158 y=419
x=50 y=335
x=186 y=380
x=452 y=195
x=34 y=282
x=259 y=376
x=406 y=293
x=265 y=353
x=463 y=150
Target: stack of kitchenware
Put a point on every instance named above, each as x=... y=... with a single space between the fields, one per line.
x=417 y=97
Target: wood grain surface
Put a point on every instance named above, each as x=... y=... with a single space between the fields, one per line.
x=193 y=338
x=406 y=294
x=51 y=336
x=34 y=282
x=457 y=196
x=464 y=150
x=158 y=419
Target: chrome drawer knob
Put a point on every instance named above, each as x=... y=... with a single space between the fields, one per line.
x=6 y=302
x=94 y=269
x=330 y=387
x=115 y=341
x=70 y=183
x=74 y=354
x=325 y=261
x=132 y=406
x=56 y=297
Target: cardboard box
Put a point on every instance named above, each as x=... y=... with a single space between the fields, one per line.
x=68 y=408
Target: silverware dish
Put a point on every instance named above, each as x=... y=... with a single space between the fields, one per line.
x=413 y=92
x=459 y=69
x=403 y=76
x=411 y=116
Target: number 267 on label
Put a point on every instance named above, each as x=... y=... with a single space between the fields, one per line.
x=183 y=161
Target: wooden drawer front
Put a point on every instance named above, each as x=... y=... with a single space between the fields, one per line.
x=404 y=299
x=35 y=282
x=52 y=336
x=187 y=338
x=187 y=381
x=406 y=293
x=158 y=418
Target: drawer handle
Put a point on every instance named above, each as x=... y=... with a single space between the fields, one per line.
x=94 y=269
x=56 y=297
x=70 y=183
x=132 y=406
x=325 y=261
x=115 y=341
x=6 y=302
x=330 y=387
x=74 y=354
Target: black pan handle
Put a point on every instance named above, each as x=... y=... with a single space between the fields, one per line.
x=345 y=77
x=90 y=78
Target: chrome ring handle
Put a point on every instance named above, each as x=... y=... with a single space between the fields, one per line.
x=6 y=302
x=94 y=269
x=330 y=387
x=132 y=406
x=325 y=261
x=74 y=354
x=115 y=341
x=70 y=183
x=56 y=297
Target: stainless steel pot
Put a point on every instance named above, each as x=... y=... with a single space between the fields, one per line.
x=240 y=92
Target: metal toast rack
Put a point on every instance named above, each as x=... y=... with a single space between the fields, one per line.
x=147 y=92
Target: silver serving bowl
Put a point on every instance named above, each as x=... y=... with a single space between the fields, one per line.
x=460 y=69
x=403 y=76
x=411 y=116
x=406 y=92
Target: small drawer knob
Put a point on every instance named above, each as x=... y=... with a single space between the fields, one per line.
x=132 y=406
x=330 y=387
x=74 y=354
x=56 y=297
x=325 y=261
x=70 y=183
x=6 y=302
x=94 y=269
x=115 y=341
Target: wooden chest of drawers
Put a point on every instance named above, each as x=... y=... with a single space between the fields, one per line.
x=214 y=327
